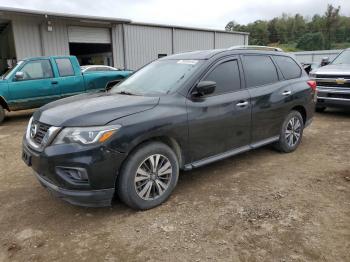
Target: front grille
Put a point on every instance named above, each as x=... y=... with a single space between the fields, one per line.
x=333 y=76
x=332 y=84
x=40 y=133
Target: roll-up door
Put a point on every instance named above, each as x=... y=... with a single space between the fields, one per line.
x=91 y=35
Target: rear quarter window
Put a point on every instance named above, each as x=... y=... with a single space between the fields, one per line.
x=288 y=67
x=259 y=70
x=65 y=67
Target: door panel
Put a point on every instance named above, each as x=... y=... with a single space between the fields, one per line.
x=36 y=88
x=269 y=108
x=217 y=124
x=271 y=97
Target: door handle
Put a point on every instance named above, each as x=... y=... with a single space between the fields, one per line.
x=242 y=104
x=54 y=82
x=287 y=93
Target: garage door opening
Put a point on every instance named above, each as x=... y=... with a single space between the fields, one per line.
x=91 y=45
x=7 y=44
x=92 y=54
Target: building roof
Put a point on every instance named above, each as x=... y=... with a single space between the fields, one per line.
x=106 y=19
x=63 y=15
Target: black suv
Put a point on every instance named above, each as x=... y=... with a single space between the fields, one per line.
x=179 y=112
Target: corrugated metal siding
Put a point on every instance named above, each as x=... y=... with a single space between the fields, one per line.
x=144 y=43
x=190 y=40
x=225 y=40
x=80 y=34
x=118 y=46
x=26 y=33
x=55 y=42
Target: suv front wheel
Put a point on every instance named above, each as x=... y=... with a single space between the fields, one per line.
x=148 y=176
x=291 y=132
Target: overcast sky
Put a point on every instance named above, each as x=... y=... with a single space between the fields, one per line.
x=198 y=13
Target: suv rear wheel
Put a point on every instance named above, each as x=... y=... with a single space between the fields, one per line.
x=149 y=176
x=291 y=132
x=2 y=114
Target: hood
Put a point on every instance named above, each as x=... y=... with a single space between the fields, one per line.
x=342 y=69
x=95 y=109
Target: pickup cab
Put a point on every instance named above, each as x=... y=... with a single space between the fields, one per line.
x=37 y=81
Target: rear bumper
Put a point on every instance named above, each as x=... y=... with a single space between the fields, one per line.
x=91 y=198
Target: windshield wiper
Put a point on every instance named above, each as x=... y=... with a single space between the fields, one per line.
x=126 y=93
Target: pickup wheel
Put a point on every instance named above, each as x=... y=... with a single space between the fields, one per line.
x=2 y=114
x=291 y=133
x=148 y=176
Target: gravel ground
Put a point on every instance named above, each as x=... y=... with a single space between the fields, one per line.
x=258 y=206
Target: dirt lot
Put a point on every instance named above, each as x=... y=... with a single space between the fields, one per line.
x=259 y=206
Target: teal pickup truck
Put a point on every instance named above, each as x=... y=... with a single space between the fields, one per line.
x=37 y=81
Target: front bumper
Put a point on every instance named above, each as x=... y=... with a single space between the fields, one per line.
x=100 y=165
x=88 y=198
x=333 y=97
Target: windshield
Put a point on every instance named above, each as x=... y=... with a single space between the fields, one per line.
x=343 y=58
x=8 y=73
x=159 y=77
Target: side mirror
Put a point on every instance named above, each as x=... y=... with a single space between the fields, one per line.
x=19 y=76
x=204 y=88
x=325 y=61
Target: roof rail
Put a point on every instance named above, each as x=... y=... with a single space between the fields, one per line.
x=256 y=47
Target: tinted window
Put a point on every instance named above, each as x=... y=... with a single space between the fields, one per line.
x=65 y=67
x=226 y=76
x=259 y=70
x=288 y=67
x=37 y=69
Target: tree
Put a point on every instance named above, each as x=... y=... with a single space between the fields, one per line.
x=332 y=20
x=311 y=41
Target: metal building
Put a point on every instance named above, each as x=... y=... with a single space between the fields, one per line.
x=100 y=40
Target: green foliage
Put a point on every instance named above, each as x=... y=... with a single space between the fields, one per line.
x=293 y=32
x=311 y=41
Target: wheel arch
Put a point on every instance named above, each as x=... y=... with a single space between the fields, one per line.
x=4 y=104
x=301 y=109
x=113 y=82
x=167 y=140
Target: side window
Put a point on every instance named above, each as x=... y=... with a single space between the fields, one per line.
x=259 y=70
x=37 y=70
x=65 y=67
x=288 y=67
x=226 y=76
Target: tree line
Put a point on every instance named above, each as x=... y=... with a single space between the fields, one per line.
x=328 y=31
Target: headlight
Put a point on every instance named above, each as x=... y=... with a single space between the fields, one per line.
x=312 y=75
x=85 y=135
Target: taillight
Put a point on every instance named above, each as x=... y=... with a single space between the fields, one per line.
x=312 y=84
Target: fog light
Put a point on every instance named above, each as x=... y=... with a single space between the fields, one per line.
x=73 y=174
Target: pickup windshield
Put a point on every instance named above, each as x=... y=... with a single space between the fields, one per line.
x=343 y=58
x=158 y=78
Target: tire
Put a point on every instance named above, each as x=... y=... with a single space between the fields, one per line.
x=320 y=109
x=152 y=188
x=291 y=130
x=2 y=114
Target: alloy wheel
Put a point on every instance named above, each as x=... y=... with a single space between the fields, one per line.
x=293 y=131
x=153 y=177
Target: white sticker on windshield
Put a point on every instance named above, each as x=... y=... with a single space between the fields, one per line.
x=187 y=62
